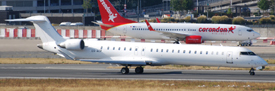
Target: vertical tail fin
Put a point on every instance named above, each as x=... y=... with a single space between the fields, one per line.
x=109 y=14
x=43 y=27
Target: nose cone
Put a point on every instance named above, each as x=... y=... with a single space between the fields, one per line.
x=264 y=63
x=256 y=35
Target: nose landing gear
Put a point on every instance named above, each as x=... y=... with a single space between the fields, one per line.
x=251 y=71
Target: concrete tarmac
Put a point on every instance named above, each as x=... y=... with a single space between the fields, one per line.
x=100 y=71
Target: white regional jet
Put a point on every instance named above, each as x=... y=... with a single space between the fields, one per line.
x=141 y=54
x=190 y=33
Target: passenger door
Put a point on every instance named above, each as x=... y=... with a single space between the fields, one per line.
x=240 y=33
x=229 y=57
x=124 y=30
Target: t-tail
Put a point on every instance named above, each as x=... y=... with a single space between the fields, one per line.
x=109 y=14
x=44 y=29
x=52 y=41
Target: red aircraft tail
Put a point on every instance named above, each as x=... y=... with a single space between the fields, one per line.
x=109 y=14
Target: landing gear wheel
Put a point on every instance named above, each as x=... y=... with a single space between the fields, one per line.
x=252 y=72
x=250 y=44
x=139 y=70
x=124 y=70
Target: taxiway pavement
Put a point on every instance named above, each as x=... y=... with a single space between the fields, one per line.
x=100 y=71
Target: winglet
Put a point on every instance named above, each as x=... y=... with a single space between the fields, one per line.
x=149 y=26
x=158 y=20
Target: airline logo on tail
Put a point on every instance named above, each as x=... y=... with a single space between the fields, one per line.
x=112 y=16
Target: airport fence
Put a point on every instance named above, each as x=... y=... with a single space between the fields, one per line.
x=70 y=33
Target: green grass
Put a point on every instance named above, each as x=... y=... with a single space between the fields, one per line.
x=126 y=85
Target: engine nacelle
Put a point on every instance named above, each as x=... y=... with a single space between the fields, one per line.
x=73 y=44
x=194 y=39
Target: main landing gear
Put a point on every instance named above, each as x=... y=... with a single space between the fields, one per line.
x=245 y=43
x=139 y=70
x=251 y=71
x=125 y=70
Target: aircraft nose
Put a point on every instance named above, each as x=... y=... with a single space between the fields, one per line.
x=256 y=34
x=263 y=62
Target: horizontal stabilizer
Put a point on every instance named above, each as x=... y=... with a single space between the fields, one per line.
x=43 y=28
x=129 y=62
x=28 y=19
x=106 y=25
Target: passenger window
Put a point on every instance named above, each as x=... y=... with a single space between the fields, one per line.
x=124 y=48
x=113 y=48
x=161 y=50
x=201 y=52
x=195 y=52
x=101 y=47
x=136 y=49
x=206 y=52
x=189 y=51
x=151 y=50
x=142 y=49
x=118 y=48
x=212 y=53
x=172 y=51
x=157 y=50
x=167 y=50
x=178 y=51
x=108 y=48
x=130 y=49
x=183 y=51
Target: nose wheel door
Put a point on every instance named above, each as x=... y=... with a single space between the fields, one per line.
x=229 y=57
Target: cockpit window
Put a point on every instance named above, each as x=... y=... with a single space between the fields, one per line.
x=249 y=30
x=247 y=53
x=251 y=53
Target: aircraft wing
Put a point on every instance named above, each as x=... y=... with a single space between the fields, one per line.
x=168 y=34
x=117 y=61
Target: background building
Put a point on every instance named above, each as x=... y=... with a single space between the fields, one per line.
x=51 y=6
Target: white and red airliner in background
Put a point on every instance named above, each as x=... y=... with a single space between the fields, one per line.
x=188 y=32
